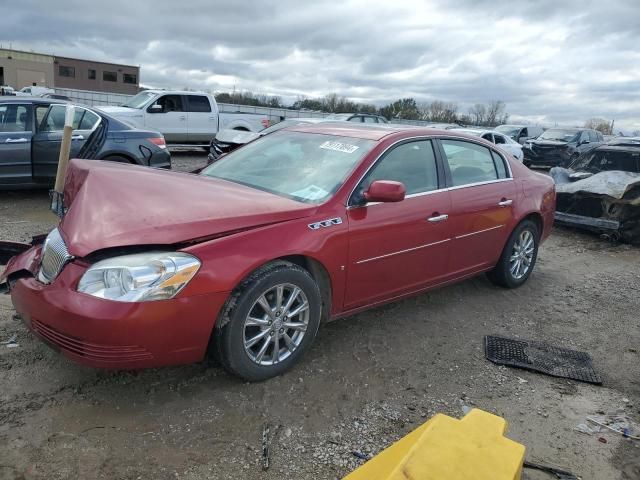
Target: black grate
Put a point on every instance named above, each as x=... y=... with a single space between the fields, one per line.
x=541 y=357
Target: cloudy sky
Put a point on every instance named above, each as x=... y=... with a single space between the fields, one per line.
x=550 y=61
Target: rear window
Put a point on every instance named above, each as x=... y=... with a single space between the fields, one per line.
x=198 y=103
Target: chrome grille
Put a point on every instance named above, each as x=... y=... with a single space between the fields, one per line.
x=54 y=257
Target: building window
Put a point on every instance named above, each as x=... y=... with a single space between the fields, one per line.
x=109 y=76
x=91 y=74
x=66 y=71
x=130 y=78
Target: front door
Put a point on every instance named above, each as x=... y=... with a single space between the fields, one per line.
x=396 y=248
x=47 y=140
x=16 y=130
x=171 y=119
x=482 y=196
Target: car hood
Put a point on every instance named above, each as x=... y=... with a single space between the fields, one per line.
x=236 y=136
x=613 y=183
x=114 y=205
x=120 y=111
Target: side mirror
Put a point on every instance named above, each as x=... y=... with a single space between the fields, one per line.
x=385 y=191
x=155 y=108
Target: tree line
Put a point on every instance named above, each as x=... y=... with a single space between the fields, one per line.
x=489 y=114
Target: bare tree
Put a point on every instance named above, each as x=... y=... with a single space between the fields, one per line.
x=439 y=111
x=478 y=114
x=599 y=124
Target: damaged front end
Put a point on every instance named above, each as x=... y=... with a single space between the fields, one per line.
x=607 y=202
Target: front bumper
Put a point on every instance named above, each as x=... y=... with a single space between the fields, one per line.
x=115 y=335
x=589 y=223
x=546 y=157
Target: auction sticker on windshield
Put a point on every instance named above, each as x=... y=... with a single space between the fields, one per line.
x=339 y=147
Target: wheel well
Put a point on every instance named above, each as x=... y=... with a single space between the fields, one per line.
x=320 y=275
x=537 y=219
x=242 y=129
x=119 y=155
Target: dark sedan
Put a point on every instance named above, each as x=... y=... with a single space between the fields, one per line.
x=559 y=147
x=31 y=132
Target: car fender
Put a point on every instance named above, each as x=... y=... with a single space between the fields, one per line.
x=228 y=260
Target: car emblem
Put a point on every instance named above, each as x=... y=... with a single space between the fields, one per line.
x=325 y=223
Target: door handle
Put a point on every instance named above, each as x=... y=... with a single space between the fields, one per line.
x=505 y=203
x=77 y=137
x=16 y=140
x=182 y=117
x=437 y=218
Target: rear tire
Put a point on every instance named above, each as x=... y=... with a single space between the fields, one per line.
x=518 y=257
x=259 y=335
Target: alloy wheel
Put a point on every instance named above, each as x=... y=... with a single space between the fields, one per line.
x=276 y=324
x=522 y=254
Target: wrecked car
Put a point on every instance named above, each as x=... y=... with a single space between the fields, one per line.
x=601 y=192
x=559 y=147
x=245 y=260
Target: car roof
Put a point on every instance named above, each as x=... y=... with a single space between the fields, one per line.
x=474 y=131
x=30 y=99
x=373 y=131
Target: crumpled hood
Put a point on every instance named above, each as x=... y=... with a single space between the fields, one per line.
x=614 y=183
x=549 y=143
x=113 y=205
x=239 y=137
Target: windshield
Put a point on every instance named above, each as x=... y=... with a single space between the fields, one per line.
x=508 y=130
x=559 y=134
x=339 y=116
x=306 y=167
x=280 y=126
x=139 y=100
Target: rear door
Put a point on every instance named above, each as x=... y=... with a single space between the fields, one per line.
x=16 y=130
x=47 y=140
x=172 y=118
x=202 y=120
x=396 y=248
x=482 y=196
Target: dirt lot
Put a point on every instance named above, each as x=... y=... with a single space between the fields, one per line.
x=368 y=380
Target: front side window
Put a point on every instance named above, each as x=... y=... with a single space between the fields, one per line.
x=306 y=167
x=413 y=164
x=110 y=76
x=170 y=103
x=356 y=119
x=199 y=103
x=65 y=71
x=14 y=118
x=469 y=163
x=369 y=120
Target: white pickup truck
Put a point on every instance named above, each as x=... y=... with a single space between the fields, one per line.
x=184 y=118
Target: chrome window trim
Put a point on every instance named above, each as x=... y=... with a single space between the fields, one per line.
x=402 y=251
x=445 y=189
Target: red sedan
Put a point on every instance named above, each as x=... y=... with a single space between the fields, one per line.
x=246 y=260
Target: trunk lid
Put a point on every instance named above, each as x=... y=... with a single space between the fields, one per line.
x=114 y=205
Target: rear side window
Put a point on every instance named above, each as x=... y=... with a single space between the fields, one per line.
x=412 y=164
x=14 y=118
x=369 y=120
x=355 y=119
x=198 y=103
x=499 y=139
x=469 y=163
x=501 y=167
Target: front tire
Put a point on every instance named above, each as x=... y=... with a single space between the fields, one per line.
x=518 y=257
x=269 y=322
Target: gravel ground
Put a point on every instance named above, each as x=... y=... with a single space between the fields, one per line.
x=369 y=380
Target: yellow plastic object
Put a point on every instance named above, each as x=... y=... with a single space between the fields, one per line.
x=445 y=448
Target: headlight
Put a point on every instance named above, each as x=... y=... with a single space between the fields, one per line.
x=140 y=277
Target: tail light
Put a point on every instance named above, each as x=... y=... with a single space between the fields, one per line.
x=265 y=122
x=158 y=141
